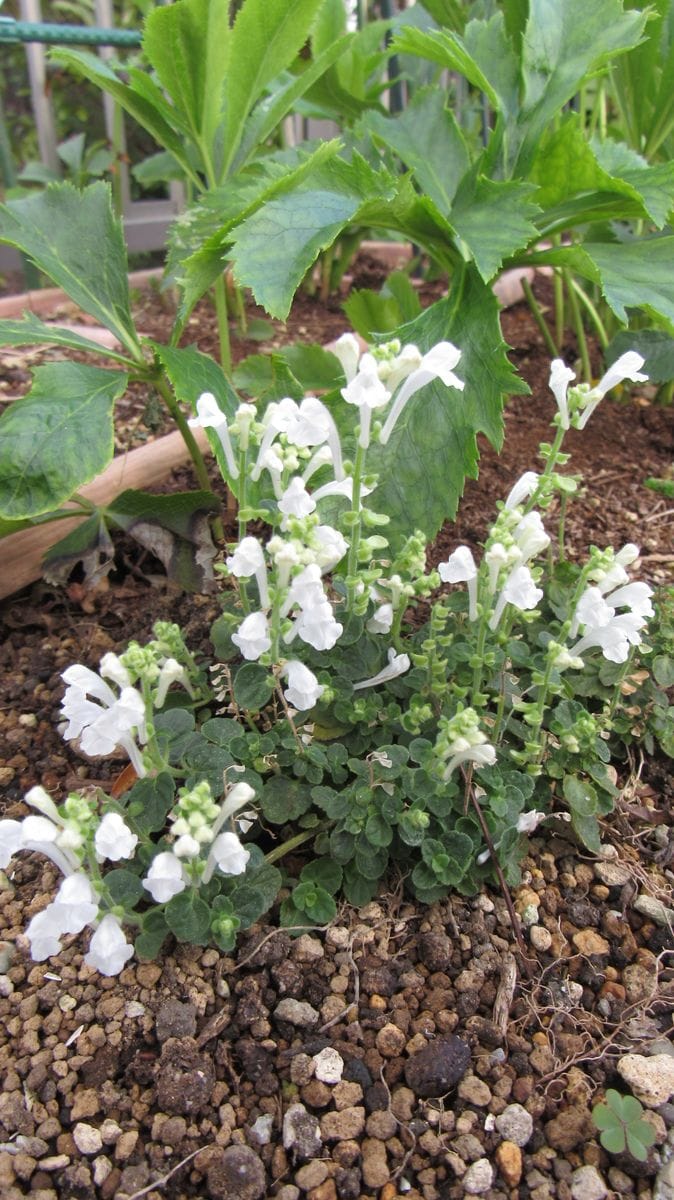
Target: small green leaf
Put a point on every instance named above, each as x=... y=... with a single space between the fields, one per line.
x=149 y=802
x=324 y=872
x=124 y=887
x=253 y=686
x=283 y=799
x=153 y=934
x=256 y=893
x=189 y=918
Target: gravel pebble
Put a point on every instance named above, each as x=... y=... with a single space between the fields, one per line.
x=329 y=1065
x=176 y=1020
x=587 y=1184
x=296 y=1012
x=478 y=1178
x=650 y=1079
x=515 y=1124
x=438 y=1068
x=87 y=1139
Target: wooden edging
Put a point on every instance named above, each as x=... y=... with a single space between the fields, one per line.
x=148 y=465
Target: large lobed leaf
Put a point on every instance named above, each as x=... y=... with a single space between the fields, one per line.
x=433 y=448
x=56 y=438
x=75 y=238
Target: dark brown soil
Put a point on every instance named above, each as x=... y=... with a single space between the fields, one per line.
x=111 y=1084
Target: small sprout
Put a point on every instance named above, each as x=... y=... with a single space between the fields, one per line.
x=620 y=1120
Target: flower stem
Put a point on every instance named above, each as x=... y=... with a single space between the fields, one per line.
x=355 y=530
x=220 y=295
x=577 y=318
x=540 y=320
x=294 y=842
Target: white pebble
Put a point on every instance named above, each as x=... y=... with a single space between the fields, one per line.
x=329 y=1065
x=87 y=1139
x=478 y=1178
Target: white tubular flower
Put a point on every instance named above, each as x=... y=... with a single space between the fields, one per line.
x=44 y=934
x=306 y=589
x=531 y=536
x=347 y=350
x=591 y=611
x=111 y=667
x=613 y=639
x=243 y=419
x=496 y=558
x=519 y=590
x=74 y=907
x=367 y=392
x=187 y=846
x=627 y=554
x=460 y=568
x=248 y=559
x=113 y=839
x=242 y=793
x=228 y=854
x=393 y=371
x=480 y=755
x=560 y=378
x=331 y=547
x=340 y=487
x=316 y=626
x=165 y=877
x=296 y=501
x=438 y=363
x=381 y=619
x=252 y=636
x=311 y=426
x=109 y=950
x=527 y=822
x=397 y=665
x=39 y=834
x=210 y=416
x=303 y=690
x=171 y=672
x=635 y=596
x=104 y=726
x=628 y=366
x=278 y=418
x=320 y=458
x=524 y=488
x=38 y=798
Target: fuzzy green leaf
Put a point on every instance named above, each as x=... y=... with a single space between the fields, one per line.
x=189 y=918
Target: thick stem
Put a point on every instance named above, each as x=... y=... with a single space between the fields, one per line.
x=294 y=842
x=577 y=319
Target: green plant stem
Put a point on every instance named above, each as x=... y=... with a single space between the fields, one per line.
x=539 y=318
x=355 y=530
x=591 y=308
x=190 y=441
x=558 y=290
x=294 y=842
x=220 y=295
x=577 y=319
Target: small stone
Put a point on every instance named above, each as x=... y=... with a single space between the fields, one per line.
x=262 y=1128
x=587 y=1184
x=133 y=1009
x=381 y=1125
x=621 y=1183
x=296 y=1012
x=312 y=1175
x=568 y=1129
x=307 y=949
x=126 y=1144
x=435 y=951
x=375 y=1166
x=654 y=910
x=515 y=1124
x=329 y=1065
x=390 y=1041
x=87 y=1139
x=613 y=874
x=148 y=974
x=85 y=1104
x=640 y=983
x=343 y=1125
x=438 y=1067
x=185 y=1077
x=509 y=1162
x=7 y=956
x=175 y=1020
x=110 y=1132
x=474 y=1091
x=650 y=1079
x=237 y=1174
x=301 y=1132
x=478 y=1178
x=588 y=941
x=101 y=1169
x=540 y=938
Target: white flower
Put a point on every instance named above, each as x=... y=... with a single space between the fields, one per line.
x=306 y=589
x=393 y=371
x=482 y=754
x=111 y=667
x=74 y=907
x=527 y=822
x=526 y=486
x=367 y=392
x=614 y=639
x=397 y=665
x=113 y=839
x=38 y=798
x=171 y=672
x=229 y=855
x=636 y=596
x=381 y=619
x=628 y=366
x=252 y=636
x=316 y=625
x=496 y=558
x=296 y=501
x=347 y=350
x=101 y=727
x=560 y=378
x=210 y=416
x=248 y=559
x=530 y=536
x=303 y=690
x=437 y=363
x=165 y=877
x=187 y=846
x=591 y=611
x=460 y=568
x=519 y=590
x=331 y=547
x=109 y=950
x=41 y=835
x=44 y=934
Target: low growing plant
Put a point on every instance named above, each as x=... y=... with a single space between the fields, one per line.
x=335 y=717
x=621 y=1122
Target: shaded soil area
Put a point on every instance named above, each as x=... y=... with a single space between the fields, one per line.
x=402 y=1051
